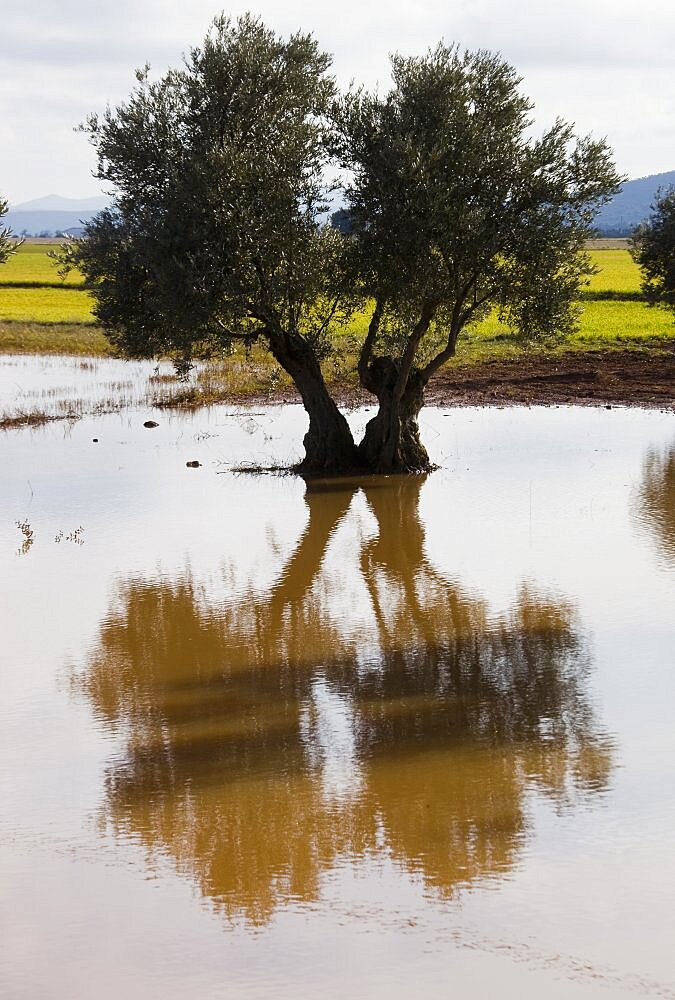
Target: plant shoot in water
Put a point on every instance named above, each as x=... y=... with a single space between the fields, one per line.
x=28 y=536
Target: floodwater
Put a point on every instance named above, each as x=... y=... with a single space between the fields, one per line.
x=383 y=738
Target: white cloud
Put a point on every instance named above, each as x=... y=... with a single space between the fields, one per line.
x=605 y=64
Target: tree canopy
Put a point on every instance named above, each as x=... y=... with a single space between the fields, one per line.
x=456 y=210
x=654 y=250
x=215 y=233
x=218 y=232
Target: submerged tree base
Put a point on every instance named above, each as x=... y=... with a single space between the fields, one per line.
x=358 y=472
x=391 y=445
x=316 y=480
x=391 y=442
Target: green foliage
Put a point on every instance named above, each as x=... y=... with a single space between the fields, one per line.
x=7 y=245
x=455 y=208
x=215 y=232
x=654 y=251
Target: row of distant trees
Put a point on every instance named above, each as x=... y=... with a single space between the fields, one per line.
x=42 y=233
x=217 y=232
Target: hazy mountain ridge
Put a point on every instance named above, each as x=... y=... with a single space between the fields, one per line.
x=632 y=204
x=53 y=214
x=57 y=203
x=45 y=223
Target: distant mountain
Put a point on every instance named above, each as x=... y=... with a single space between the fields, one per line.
x=53 y=214
x=631 y=205
x=55 y=203
x=45 y=223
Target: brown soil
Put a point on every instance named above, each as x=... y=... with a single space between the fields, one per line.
x=583 y=378
x=642 y=377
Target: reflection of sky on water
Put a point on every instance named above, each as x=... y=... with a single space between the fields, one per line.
x=328 y=734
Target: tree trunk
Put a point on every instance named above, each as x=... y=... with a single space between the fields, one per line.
x=329 y=443
x=391 y=442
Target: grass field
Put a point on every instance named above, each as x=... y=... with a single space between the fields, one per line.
x=41 y=314
x=612 y=311
x=610 y=320
x=602 y=321
x=45 y=305
x=617 y=272
x=80 y=339
x=31 y=266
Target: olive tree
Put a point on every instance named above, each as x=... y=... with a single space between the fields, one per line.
x=456 y=210
x=653 y=248
x=216 y=233
x=8 y=245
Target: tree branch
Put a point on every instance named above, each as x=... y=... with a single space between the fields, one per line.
x=323 y=325
x=459 y=321
x=237 y=335
x=368 y=344
x=420 y=328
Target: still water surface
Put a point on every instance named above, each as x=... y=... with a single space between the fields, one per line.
x=384 y=738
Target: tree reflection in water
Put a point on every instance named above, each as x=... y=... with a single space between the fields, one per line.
x=269 y=740
x=656 y=498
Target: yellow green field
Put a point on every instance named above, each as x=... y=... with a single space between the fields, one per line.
x=40 y=313
x=610 y=320
x=31 y=265
x=601 y=321
x=606 y=316
x=617 y=272
x=45 y=305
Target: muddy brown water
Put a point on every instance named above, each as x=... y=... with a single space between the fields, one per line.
x=380 y=738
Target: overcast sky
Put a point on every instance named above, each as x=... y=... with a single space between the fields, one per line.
x=607 y=65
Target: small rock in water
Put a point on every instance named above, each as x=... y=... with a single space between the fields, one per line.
x=193 y=465
x=151 y=423
x=95 y=440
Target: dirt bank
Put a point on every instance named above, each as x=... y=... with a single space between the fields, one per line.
x=591 y=378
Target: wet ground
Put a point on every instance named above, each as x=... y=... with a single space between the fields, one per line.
x=36 y=389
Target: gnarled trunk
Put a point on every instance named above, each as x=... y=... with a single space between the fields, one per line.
x=391 y=442
x=329 y=444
